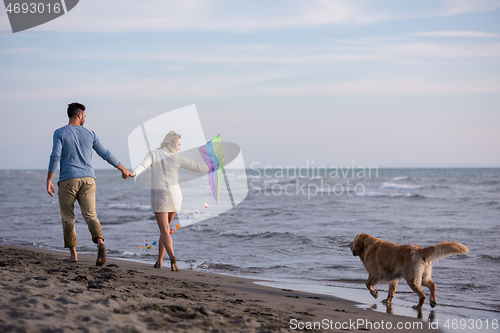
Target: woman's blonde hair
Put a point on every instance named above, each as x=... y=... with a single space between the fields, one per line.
x=170 y=141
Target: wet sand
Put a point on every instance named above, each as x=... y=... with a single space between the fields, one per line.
x=42 y=293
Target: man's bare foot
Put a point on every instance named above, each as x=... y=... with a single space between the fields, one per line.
x=71 y=259
x=101 y=255
x=72 y=255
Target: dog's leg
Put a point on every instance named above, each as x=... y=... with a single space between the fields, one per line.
x=372 y=280
x=393 y=285
x=427 y=281
x=420 y=294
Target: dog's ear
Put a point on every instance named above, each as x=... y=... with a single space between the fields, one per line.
x=359 y=243
x=368 y=240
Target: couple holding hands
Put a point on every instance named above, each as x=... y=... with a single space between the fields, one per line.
x=72 y=150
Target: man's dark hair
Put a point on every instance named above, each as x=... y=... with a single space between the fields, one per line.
x=74 y=109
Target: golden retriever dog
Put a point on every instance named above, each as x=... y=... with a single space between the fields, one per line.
x=385 y=261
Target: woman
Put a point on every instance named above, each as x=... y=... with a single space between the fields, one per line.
x=166 y=196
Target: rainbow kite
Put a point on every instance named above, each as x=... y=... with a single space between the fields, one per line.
x=214 y=158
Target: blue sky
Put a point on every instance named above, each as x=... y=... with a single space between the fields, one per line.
x=385 y=83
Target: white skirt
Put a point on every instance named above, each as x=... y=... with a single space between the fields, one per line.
x=167 y=200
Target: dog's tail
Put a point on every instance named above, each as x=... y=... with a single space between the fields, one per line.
x=442 y=250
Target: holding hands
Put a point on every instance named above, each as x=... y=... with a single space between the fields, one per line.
x=125 y=173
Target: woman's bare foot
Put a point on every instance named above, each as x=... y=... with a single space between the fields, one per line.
x=173 y=264
x=157 y=265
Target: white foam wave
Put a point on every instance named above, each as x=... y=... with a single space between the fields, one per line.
x=127 y=253
x=143 y=208
x=272 y=181
x=200 y=266
x=384 y=194
x=239 y=233
x=404 y=187
x=395 y=179
x=202 y=227
x=251 y=177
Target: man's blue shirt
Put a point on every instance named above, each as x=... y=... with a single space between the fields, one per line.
x=72 y=146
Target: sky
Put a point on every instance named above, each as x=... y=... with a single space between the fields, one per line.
x=318 y=82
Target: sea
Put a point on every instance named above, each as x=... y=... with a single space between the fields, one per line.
x=294 y=227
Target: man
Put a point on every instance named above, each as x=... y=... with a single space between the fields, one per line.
x=72 y=147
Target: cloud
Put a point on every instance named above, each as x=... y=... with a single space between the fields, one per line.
x=204 y=15
x=445 y=51
x=315 y=55
x=228 y=56
x=245 y=16
x=371 y=69
x=456 y=7
x=104 y=86
x=253 y=85
x=389 y=87
x=22 y=50
x=465 y=34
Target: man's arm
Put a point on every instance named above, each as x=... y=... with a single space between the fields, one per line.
x=55 y=156
x=50 y=186
x=125 y=173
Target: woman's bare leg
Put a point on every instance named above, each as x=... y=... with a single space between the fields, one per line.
x=163 y=223
x=173 y=260
x=161 y=253
x=171 y=216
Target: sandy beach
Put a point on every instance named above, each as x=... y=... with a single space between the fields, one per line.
x=43 y=293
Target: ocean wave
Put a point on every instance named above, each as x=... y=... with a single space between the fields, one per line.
x=395 y=179
x=288 y=236
x=202 y=227
x=337 y=239
x=489 y=258
x=239 y=234
x=272 y=213
x=126 y=253
x=395 y=186
x=272 y=181
x=415 y=196
x=274 y=267
x=5 y=241
x=489 y=182
x=338 y=266
x=347 y=280
x=215 y=267
x=143 y=208
x=471 y=286
x=250 y=177
x=207 y=228
x=376 y=194
x=143 y=256
x=440 y=187
x=115 y=220
x=293 y=180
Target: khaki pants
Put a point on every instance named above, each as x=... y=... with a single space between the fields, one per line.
x=83 y=190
